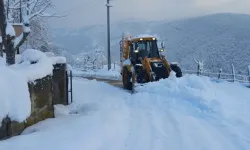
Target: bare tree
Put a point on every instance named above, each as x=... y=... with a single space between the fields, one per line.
x=2 y=25
x=7 y=35
x=33 y=8
x=35 y=12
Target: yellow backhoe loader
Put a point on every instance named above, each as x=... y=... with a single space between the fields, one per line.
x=141 y=61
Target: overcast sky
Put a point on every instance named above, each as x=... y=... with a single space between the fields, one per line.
x=88 y=12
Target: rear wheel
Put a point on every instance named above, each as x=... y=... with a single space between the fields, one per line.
x=177 y=70
x=127 y=79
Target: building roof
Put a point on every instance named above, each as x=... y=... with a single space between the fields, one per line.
x=18 y=29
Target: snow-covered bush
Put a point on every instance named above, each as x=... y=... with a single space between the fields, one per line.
x=89 y=60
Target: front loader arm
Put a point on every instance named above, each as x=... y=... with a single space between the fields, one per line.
x=147 y=66
x=166 y=65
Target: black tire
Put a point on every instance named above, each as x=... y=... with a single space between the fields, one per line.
x=126 y=79
x=177 y=70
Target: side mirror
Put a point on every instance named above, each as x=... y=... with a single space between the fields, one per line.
x=162 y=45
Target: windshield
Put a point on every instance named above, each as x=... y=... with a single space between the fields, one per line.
x=146 y=49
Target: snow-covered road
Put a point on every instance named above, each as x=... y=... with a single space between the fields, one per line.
x=190 y=113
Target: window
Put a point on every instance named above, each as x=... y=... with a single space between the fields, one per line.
x=146 y=49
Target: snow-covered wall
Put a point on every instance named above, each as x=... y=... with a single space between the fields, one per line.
x=26 y=87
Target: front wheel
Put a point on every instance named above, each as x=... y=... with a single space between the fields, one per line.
x=177 y=70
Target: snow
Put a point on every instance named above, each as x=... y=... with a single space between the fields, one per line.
x=10 y=30
x=18 y=40
x=145 y=35
x=34 y=64
x=49 y=54
x=17 y=24
x=15 y=98
x=101 y=74
x=56 y=59
x=26 y=19
x=26 y=22
x=190 y=113
x=41 y=68
x=61 y=110
x=26 y=29
x=113 y=74
x=59 y=60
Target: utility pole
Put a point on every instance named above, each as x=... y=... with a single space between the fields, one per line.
x=108 y=34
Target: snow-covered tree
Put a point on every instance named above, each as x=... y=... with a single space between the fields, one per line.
x=35 y=12
x=9 y=40
x=200 y=66
x=88 y=60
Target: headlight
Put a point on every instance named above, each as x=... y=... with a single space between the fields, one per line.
x=158 y=64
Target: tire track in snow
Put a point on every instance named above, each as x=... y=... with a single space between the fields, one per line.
x=176 y=128
x=150 y=127
x=159 y=124
x=203 y=134
x=140 y=134
x=164 y=126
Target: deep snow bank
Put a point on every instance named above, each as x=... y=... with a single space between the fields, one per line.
x=214 y=114
x=15 y=99
x=190 y=113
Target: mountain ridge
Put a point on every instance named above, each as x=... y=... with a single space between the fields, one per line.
x=220 y=40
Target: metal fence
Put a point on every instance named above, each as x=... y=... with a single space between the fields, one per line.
x=230 y=77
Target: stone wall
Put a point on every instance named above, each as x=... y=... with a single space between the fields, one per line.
x=60 y=84
x=44 y=93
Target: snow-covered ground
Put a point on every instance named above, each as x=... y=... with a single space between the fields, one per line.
x=104 y=73
x=189 y=113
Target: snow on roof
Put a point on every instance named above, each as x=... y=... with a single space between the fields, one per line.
x=17 y=24
x=10 y=30
x=145 y=36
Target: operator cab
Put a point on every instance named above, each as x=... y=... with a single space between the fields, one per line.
x=144 y=47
